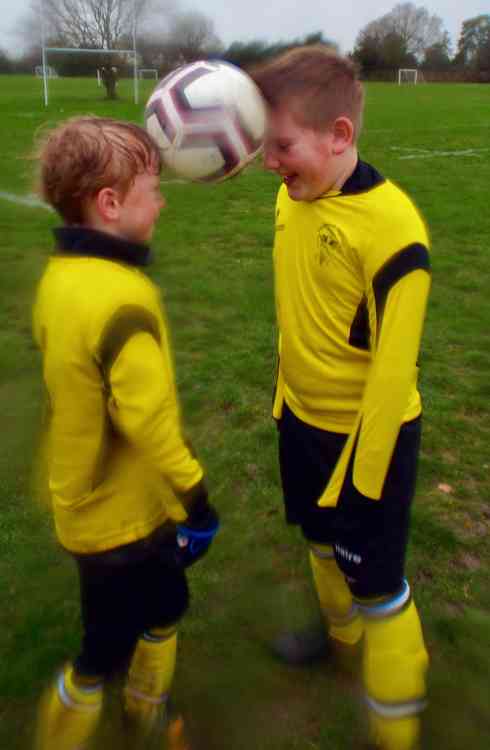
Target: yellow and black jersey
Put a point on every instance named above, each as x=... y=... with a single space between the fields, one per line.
x=351 y=286
x=118 y=464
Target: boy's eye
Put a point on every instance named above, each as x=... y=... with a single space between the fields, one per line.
x=283 y=146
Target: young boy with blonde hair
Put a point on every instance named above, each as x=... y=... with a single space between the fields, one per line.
x=352 y=276
x=128 y=496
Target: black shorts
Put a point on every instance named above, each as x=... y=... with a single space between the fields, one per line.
x=124 y=592
x=369 y=536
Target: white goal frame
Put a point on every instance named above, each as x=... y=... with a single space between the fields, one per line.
x=401 y=71
x=73 y=50
x=142 y=71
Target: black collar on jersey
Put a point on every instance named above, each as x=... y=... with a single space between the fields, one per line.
x=363 y=178
x=91 y=242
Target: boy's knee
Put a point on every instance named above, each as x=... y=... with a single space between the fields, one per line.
x=106 y=655
x=168 y=607
x=368 y=578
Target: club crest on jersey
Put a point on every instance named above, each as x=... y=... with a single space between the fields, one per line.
x=327 y=242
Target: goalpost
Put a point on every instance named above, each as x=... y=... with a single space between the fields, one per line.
x=148 y=73
x=408 y=75
x=73 y=50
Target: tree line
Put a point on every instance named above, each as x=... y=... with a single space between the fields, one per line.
x=406 y=37
x=410 y=37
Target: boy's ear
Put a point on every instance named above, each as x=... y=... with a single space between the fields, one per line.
x=343 y=135
x=108 y=204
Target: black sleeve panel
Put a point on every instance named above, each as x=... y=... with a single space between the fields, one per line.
x=359 y=334
x=125 y=323
x=411 y=258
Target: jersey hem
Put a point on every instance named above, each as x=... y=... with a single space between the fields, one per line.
x=114 y=540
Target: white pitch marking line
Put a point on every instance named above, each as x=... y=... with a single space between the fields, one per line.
x=370 y=131
x=418 y=153
x=412 y=149
x=24 y=200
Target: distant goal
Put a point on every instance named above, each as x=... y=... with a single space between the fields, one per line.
x=50 y=72
x=148 y=73
x=409 y=75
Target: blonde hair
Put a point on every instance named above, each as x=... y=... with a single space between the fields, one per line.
x=317 y=84
x=85 y=154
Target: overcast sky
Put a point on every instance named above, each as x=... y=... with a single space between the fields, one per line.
x=274 y=20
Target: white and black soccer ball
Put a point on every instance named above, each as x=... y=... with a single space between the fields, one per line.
x=208 y=119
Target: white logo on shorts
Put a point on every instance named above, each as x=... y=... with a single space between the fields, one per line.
x=347 y=555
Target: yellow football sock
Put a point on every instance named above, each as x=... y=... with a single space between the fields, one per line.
x=150 y=677
x=69 y=713
x=394 y=734
x=395 y=664
x=344 y=623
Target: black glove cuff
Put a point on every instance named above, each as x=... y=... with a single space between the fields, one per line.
x=203 y=520
x=196 y=503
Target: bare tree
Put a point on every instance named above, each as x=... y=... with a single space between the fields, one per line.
x=191 y=36
x=95 y=24
x=92 y=24
x=416 y=26
x=398 y=38
x=474 y=43
x=165 y=36
x=379 y=47
x=438 y=56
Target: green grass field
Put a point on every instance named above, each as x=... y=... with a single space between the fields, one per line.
x=213 y=263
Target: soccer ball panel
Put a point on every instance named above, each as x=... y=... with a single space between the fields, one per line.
x=160 y=126
x=208 y=119
x=199 y=160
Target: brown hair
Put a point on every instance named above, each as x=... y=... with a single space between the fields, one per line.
x=317 y=84
x=85 y=154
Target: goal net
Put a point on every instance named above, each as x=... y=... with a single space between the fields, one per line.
x=408 y=75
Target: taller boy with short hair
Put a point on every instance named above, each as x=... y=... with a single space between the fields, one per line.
x=352 y=276
x=121 y=475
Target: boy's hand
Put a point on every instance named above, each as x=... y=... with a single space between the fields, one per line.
x=194 y=537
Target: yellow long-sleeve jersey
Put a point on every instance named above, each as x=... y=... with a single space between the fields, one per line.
x=118 y=465
x=351 y=285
